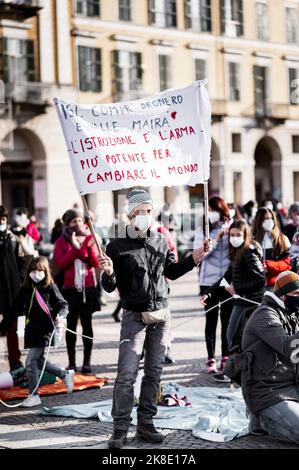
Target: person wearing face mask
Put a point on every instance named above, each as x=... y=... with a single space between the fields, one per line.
x=138 y=265
x=212 y=269
x=270 y=347
x=248 y=211
x=245 y=275
x=25 y=248
x=42 y=304
x=75 y=253
x=9 y=286
x=293 y=224
x=275 y=245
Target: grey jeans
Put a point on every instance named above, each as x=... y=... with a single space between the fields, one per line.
x=34 y=364
x=135 y=335
x=282 y=420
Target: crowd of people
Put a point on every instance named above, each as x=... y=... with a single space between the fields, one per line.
x=251 y=257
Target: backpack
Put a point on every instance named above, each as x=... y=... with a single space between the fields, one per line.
x=237 y=361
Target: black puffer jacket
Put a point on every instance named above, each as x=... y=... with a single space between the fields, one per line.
x=38 y=325
x=247 y=276
x=270 y=376
x=141 y=266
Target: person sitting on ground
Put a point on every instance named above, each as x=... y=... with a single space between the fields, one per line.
x=40 y=301
x=270 y=343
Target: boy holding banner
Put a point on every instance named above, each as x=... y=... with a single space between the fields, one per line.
x=138 y=266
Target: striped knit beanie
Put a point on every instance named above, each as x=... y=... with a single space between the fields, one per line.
x=286 y=282
x=137 y=197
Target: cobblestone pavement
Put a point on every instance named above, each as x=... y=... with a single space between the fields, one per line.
x=24 y=428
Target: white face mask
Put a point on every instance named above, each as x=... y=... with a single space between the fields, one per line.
x=268 y=224
x=232 y=213
x=214 y=217
x=3 y=227
x=236 y=242
x=21 y=220
x=142 y=222
x=37 y=276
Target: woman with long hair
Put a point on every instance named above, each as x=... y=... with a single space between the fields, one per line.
x=244 y=276
x=275 y=245
x=212 y=268
x=41 y=302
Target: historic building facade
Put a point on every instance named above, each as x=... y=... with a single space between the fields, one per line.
x=100 y=51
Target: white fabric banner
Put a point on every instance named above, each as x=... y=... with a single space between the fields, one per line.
x=162 y=140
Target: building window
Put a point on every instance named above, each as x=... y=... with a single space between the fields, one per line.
x=294 y=85
x=260 y=90
x=198 y=15
x=162 y=13
x=295 y=143
x=262 y=21
x=90 y=69
x=291 y=25
x=164 y=72
x=127 y=73
x=236 y=143
x=18 y=60
x=234 y=81
x=88 y=7
x=200 y=69
x=125 y=10
x=296 y=185
x=231 y=17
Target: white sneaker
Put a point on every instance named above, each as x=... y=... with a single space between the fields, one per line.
x=31 y=400
x=69 y=381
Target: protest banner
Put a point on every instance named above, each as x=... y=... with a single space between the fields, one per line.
x=162 y=140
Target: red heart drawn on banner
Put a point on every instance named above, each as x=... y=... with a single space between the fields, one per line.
x=173 y=114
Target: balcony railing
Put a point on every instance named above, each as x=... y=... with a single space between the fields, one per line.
x=34 y=93
x=279 y=111
x=18 y=10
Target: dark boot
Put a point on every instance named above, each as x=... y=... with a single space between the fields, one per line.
x=86 y=368
x=72 y=361
x=118 y=439
x=149 y=433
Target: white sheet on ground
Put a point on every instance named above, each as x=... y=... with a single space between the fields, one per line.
x=215 y=414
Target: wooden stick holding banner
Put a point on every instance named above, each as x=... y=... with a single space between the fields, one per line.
x=90 y=225
x=206 y=209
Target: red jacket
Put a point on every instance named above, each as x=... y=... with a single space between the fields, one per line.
x=65 y=255
x=32 y=230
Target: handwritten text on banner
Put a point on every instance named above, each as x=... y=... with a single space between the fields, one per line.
x=163 y=140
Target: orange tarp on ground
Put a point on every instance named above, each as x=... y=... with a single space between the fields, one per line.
x=81 y=382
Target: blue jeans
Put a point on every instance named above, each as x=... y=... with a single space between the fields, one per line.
x=34 y=364
x=282 y=420
x=133 y=336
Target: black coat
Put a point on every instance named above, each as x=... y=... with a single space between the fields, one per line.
x=247 y=275
x=141 y=266
x=9 y=274
x=38 y=325
x=270 y=376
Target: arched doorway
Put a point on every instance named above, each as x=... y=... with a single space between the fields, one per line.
x=196 y=193
x=23 y=174
x=267 y=170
